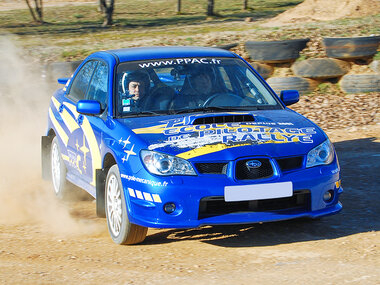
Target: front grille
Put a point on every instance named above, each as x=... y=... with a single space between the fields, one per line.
x=212 y=168
x=223 y=119
x=290 y=163
x=216 y=206
x=245 y=173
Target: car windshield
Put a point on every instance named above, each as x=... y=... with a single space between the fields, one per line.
x=185 y=85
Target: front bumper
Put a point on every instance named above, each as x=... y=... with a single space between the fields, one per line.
x=146 y=199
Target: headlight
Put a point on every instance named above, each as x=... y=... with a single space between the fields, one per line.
x=163 y=164
x=320 y=155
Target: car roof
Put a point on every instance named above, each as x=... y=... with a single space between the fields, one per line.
x=143 y=53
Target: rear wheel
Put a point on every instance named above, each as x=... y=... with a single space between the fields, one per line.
x=122 y=231
x=58 y=171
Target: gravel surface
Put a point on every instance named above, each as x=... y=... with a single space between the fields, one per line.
x=334 y=111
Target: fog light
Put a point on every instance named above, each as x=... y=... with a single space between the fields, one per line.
x=328 y=196
x=169 y=208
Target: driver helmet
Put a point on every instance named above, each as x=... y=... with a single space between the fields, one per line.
x=135 y=76
x=202 y=78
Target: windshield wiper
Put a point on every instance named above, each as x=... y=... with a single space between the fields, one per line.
x=144 y=113
x=214 y=108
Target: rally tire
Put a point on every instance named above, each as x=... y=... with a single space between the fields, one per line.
x=227 y=46
x=321 y=68
x=351 y=48
x=122 y=231
x=275 y=51
x=375 y=66
x=360 y=83
x=58 y=171
x=264 y=70
x=302 y=85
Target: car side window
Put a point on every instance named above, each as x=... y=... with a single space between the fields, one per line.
x=99 y=85
x=80 y=84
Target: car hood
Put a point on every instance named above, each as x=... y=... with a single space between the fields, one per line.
x=227 y=136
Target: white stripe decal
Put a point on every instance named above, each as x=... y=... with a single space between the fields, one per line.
x=156 y=198
x=139 y=195
x=147 y=197
x=144 y=195
x=131 y=192
x=60 y=132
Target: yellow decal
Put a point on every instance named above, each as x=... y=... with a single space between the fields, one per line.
x=60 y=131
x=85 y=150
x=88 y=134
x=65 y=157
x=151 y=130
x=207 y=149
x=72 y=108
x=70 y=123
x=55 y=103
x=94 y=147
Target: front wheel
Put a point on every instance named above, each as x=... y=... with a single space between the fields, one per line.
x=121 y=230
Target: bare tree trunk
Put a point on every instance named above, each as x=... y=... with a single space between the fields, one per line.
x=178 y=6
x=210 y=8
x=107 y=11
x=245 y=5
x=37 y=15
x=31 y=10
x=39 y=9
x=100 y=7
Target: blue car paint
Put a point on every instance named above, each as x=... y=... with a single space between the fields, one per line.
x=146 y=193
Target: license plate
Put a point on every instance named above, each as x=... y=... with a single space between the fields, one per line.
x=258 y=191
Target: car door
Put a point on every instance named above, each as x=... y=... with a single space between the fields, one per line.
x=78 y=156
x=93 y=126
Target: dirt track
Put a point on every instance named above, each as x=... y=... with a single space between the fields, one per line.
x=334 y=250
x=45 y=242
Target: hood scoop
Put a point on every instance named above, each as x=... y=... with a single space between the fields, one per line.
x=224 y=119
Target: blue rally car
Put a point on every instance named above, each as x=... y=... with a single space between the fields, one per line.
x=180 y=137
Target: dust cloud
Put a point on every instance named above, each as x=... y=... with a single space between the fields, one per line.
x=24 y=196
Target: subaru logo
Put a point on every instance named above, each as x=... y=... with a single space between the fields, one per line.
x=252 y=164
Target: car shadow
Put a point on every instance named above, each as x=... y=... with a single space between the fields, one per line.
x=360 y=164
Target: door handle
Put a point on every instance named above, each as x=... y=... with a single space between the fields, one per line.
x=60 y=110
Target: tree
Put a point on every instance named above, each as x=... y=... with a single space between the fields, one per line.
x=210 y=8
x=107 y=7
x=245 y=5
x=37 y=15
x=178 y=6
x=100 y=7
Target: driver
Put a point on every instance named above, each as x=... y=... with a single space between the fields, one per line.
x=137 y=84
x=198 y=87
x=201 y=83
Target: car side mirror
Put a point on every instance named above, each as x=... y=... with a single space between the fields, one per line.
x=63 y=80
x=289 y=97
x=89 y=107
